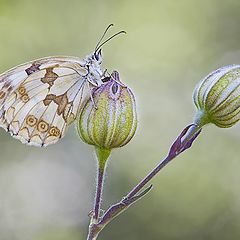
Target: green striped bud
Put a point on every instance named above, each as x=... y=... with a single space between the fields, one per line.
x=109 y=120
x=217 y=97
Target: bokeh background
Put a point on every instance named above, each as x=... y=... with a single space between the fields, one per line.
x=46 y=194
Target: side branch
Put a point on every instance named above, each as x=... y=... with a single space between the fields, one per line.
x=182 y=143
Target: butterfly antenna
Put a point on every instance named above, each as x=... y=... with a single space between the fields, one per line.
x=116 y=34
x=103 y=35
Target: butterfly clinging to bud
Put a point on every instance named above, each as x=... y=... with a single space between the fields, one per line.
x=41 y=98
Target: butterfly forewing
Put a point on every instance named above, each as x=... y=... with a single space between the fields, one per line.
x=41 y=98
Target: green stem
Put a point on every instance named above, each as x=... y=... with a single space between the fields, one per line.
x=102 y=156
x=201 y=118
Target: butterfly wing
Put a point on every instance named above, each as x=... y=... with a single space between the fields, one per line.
x=41 y=98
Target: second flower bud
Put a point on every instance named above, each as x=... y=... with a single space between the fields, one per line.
x=217 y=97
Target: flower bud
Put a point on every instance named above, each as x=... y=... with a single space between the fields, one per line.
x=217 y=97
x=109 y=120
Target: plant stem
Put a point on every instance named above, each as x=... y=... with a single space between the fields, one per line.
x=144 y=181
x=102 y=156
x=190 y=133
x=98 y=196
x=93 y=231
x=182 y=143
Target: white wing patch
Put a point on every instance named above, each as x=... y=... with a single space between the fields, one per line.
x=40 y=99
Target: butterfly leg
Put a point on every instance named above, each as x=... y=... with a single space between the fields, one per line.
x=91 y=95
x=105 y=72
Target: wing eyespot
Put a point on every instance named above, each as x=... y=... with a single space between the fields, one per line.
x=31 y=121
x=42 y=126
x=54 y=131
x=21 y=90
x=25 y=98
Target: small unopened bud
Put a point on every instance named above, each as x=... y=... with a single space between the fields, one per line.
x=109 y=120
x=217 y=97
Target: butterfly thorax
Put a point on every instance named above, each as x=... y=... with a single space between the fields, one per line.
x=95 y=73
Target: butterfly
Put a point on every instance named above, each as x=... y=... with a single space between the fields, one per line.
x=41 y=98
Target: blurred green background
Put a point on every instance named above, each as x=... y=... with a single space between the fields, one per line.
x=46 y=194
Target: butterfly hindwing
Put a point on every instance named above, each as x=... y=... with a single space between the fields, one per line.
x=41 y=98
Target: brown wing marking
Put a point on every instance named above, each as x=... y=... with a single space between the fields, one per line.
x=33 y=68
x=50 y=76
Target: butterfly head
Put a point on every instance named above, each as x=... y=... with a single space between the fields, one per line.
x=97 y=56
x=94 y=60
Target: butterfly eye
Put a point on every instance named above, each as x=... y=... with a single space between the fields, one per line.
x=96 y=56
